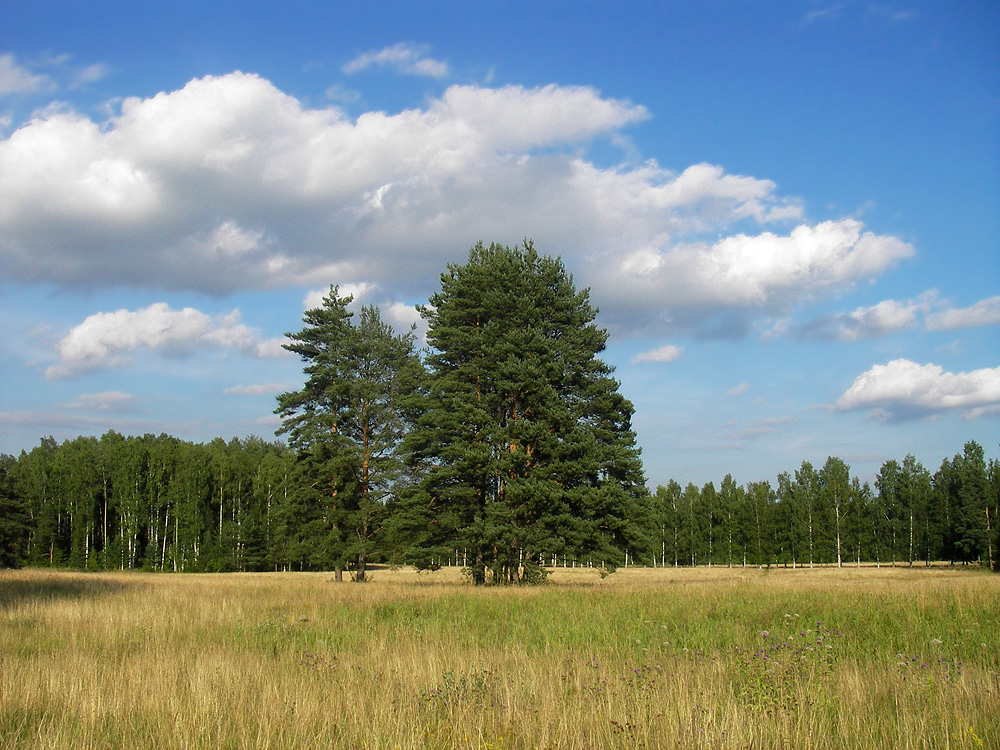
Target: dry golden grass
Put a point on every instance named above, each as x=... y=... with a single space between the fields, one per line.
x=685 y=658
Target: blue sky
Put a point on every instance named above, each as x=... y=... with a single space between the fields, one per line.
x=787 y=212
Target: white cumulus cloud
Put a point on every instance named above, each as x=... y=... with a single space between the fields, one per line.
x=359 y=291
x=885 y=317
x=984 y=313
x=403 y=317
x=761 y=270
x=107 y=340
x=882 y=319
x=15 y=79
x=407 y=58
x=666 y=353
x=904 y=388
x=229 y=184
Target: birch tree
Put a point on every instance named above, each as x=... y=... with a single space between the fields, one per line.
x=835 y=488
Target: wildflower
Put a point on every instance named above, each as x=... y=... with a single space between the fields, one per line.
x=936 y=641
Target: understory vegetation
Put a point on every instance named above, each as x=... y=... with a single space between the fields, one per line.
x=685 y=658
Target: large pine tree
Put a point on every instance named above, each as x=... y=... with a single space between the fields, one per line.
x=526 y=443
x=346 y=425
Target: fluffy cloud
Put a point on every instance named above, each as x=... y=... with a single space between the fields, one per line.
x=870 y=322
x=400 y=316
x=666 y=353
x=890 y=316
x=107 y=340
x=762 y=271
x=903 y=388
x=864 y=323
x=230 y=184
x=403 y=317
x=984 y=313
x=17 y=80
x=359 y=293
x=406 y=58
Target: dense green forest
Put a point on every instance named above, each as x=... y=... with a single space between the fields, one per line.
x=163 y=504
x=505 y=447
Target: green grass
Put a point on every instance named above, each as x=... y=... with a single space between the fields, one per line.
x=828 y=658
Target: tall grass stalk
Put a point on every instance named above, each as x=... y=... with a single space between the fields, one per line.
x=689 y=658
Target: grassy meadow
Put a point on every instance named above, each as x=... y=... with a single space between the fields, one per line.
x=667 y=658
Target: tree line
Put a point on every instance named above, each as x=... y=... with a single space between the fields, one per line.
x=504 y=447
x=162 y=504
x=825 y=516
x=151 y=502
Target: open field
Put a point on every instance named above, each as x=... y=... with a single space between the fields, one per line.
x=685 y=658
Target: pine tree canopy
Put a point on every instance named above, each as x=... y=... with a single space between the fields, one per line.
x=346 y=425
x=526 y=442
